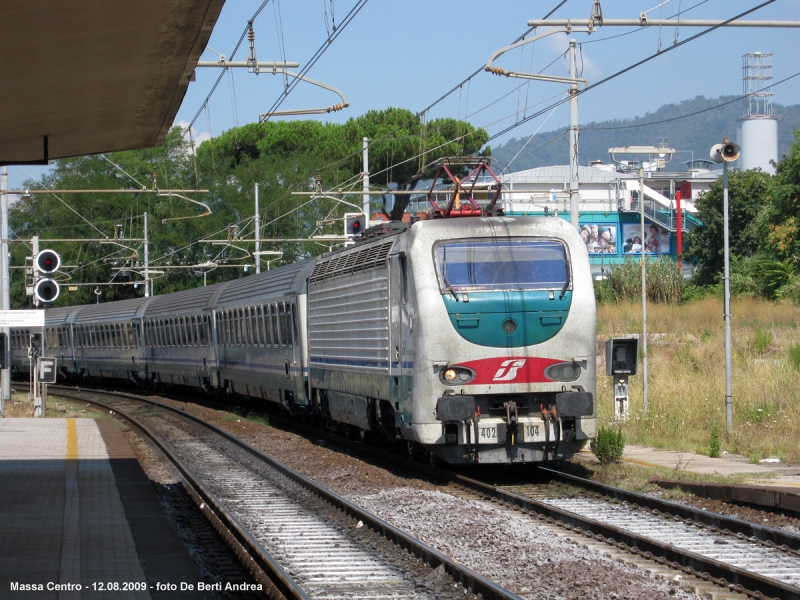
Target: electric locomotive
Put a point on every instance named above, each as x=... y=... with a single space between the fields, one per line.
x=472 y=339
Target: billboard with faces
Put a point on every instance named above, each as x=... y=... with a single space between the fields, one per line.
x=600 y=238
x=654 y=238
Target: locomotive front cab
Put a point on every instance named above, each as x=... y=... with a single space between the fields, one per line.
x=518 y=382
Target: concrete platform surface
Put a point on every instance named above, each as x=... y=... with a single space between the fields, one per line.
x=726 y=465
x=76 y=509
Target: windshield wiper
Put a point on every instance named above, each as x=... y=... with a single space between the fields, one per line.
x=564 y=289
x=449 y=287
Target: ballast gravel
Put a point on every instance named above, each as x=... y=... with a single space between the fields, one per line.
x=510 y=548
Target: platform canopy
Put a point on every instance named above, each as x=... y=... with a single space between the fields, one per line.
x=89 y=76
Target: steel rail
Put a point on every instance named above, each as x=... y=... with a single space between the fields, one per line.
x=710 y=519
x=722 y=574
x=460 y=574
x=277 y=575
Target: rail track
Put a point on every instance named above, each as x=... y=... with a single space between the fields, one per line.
x=731 y=554
x=308 y=541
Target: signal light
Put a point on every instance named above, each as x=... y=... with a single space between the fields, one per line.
x=354 y=224
x=46 y=290
x=48 y=261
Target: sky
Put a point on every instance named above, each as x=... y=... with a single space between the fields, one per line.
x=409 y=54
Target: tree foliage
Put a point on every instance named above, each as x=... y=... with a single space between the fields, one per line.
x=748 y=194
x=280 y=157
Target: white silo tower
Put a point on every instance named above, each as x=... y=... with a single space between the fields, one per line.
x=758 y=128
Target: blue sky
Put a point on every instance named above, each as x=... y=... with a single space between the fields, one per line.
x=408 y=54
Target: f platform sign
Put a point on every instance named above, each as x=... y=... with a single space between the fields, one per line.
x=47 y=369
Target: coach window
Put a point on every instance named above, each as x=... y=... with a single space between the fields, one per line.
x=294 y=322
x=226 y=327
x=159 y=333
x=260 y=325
x=221 y=328
x=253 y=327
x=234 y=318
x=283 y=328
x=267 y=327
x=247 y=328
x=276 y=340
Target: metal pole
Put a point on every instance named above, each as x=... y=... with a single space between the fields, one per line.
x=644 y=291
x=574 y=216
x=727 y=307
x=258 y=236
x=146 y=260
x=365 y=201
x=5 y=295
x=35 y=269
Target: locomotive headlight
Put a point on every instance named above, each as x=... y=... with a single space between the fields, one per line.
x=563 y=371
x=457 y=375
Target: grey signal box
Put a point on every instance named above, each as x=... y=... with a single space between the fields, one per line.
x=622 y=356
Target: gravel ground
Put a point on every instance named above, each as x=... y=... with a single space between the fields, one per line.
x=214 y=558
x=512 y=549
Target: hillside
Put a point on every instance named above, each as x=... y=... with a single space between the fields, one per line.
x=696 y=133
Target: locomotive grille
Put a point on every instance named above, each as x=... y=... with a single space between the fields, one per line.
x=361 y=259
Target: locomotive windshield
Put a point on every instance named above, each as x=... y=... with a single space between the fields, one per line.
x=502 y=265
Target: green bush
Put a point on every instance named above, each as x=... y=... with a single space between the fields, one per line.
x=664 y=282
x=608 y=445
x=713 y=442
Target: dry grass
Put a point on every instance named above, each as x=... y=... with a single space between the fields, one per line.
x=686 y=363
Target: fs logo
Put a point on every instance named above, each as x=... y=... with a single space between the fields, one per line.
x=508 y=370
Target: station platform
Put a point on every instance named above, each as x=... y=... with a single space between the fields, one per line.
x=79 y=517
x=728 y=465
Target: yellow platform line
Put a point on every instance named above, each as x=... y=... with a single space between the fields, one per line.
x=72 y=440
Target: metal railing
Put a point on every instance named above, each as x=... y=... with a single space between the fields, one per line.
x=666 y=217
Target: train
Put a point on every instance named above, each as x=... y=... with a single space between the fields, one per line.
x=469 y=340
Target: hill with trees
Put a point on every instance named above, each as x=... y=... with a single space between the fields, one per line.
x=691 y=126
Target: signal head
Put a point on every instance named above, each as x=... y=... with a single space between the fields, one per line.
x=46 y=290
x=48 y=261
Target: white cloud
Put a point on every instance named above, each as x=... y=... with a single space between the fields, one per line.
x=558 y=43
x=197 y=136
